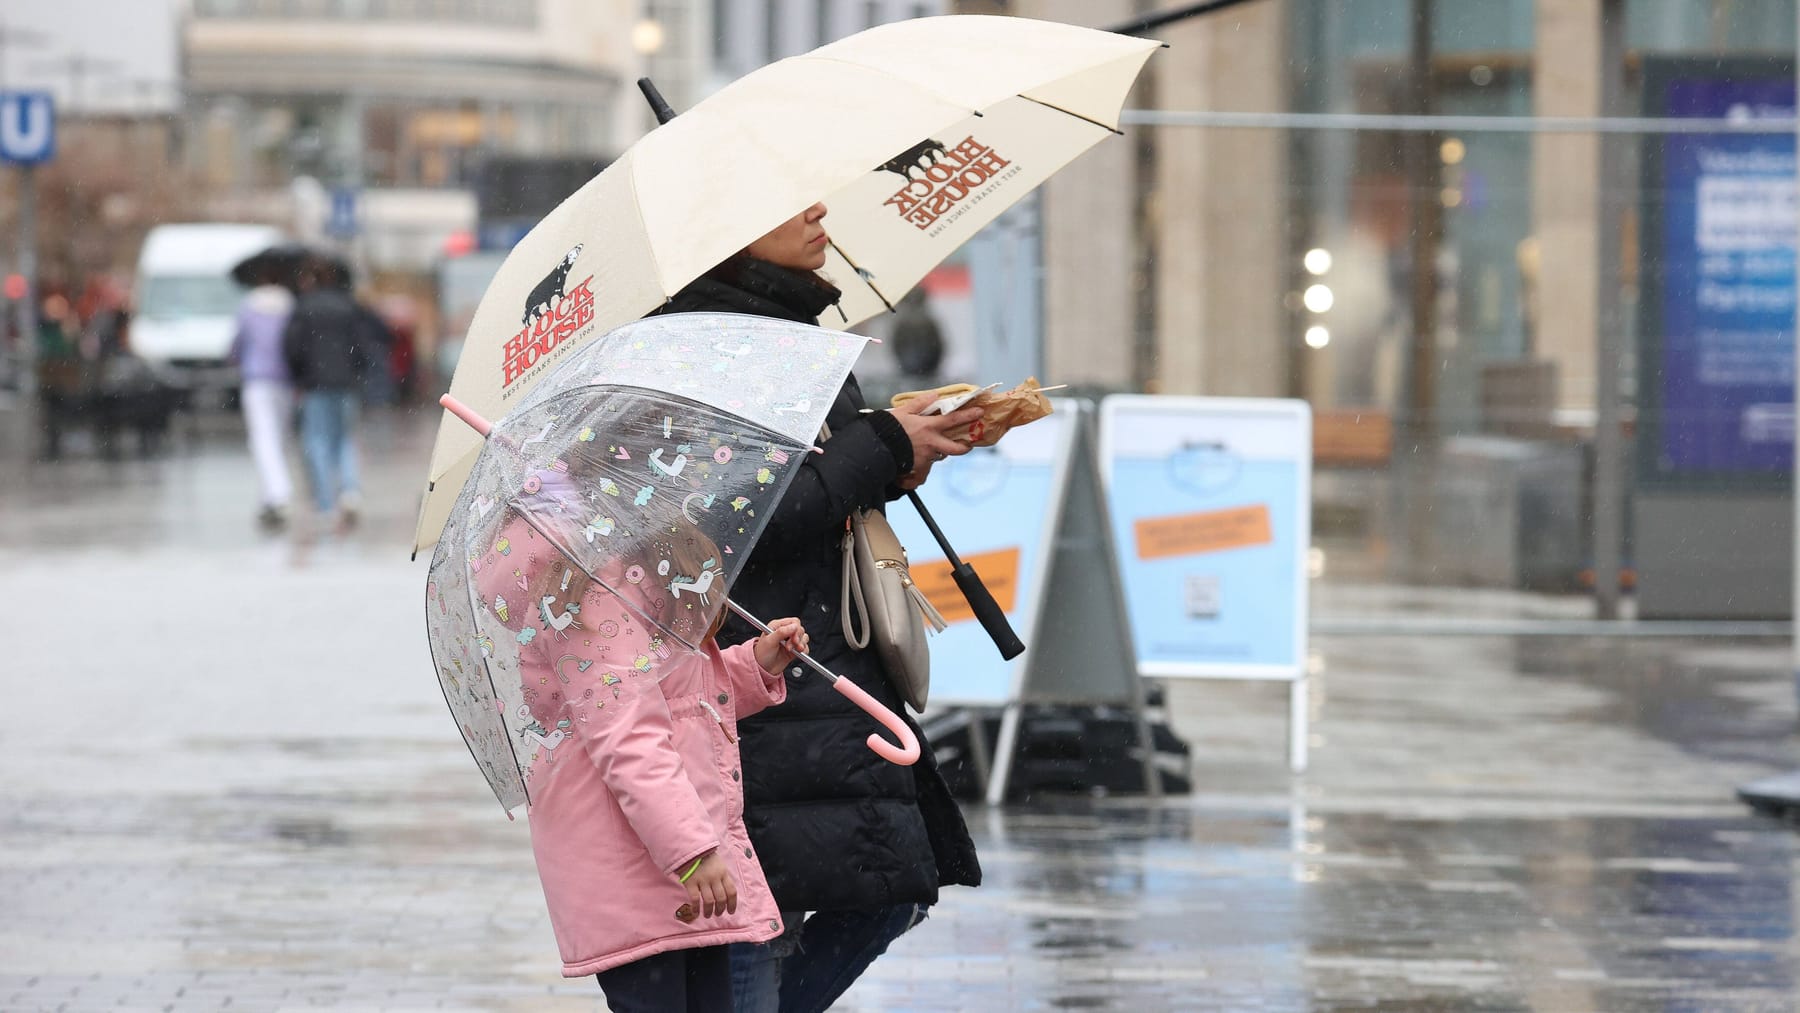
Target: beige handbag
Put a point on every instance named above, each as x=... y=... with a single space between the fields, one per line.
x=891 y=609
x=880 y=597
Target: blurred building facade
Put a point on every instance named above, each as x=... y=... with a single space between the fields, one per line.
x=1210 y=228
x=749 y=33
x=399 y=102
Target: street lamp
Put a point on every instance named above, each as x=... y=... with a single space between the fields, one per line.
x=647 y=36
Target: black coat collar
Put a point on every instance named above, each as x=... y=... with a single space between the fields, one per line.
x=758 y=288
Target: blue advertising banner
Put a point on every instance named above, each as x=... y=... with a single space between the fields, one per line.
x=1717 y=373
x=1210 y=507
x=998 y=506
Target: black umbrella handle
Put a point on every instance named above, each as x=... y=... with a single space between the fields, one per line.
x=993 y=618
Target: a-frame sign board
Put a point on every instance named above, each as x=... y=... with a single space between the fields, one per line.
x=1030 y=516
x=1080 y=652
x=1068 y=609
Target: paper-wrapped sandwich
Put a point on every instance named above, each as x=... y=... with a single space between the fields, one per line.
x=1001 y=410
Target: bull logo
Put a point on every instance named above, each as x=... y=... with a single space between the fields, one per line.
x=551 y=288
x=917 y=158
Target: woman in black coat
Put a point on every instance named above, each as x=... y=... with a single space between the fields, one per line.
x=859 y=841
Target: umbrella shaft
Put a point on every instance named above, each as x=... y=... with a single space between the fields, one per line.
x=759 y=624
x=931 y=524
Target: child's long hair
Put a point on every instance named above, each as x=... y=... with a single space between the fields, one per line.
x=689 y=554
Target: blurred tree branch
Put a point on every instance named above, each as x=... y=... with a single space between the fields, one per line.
x=111 y=180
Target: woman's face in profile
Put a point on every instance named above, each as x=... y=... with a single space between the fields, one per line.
x=798 y=243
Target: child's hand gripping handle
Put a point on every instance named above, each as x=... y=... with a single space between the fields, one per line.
x=907 y=753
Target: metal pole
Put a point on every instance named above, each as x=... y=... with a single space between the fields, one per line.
x=25 y=310
x=1781 y=792
x=1425 y=175
x=1609 y=343
x=1416 y=450
x=1454 y=123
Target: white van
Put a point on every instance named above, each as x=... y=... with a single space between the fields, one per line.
x=185 y=300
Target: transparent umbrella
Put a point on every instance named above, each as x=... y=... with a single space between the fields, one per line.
x=617 y=504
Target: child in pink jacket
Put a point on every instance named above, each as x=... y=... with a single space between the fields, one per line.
x=636 y=794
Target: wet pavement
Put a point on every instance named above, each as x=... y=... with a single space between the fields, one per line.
x=228 y=781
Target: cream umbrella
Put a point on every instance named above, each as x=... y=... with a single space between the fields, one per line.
x=916 y=134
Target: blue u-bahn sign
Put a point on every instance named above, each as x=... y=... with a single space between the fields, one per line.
x=27 y=127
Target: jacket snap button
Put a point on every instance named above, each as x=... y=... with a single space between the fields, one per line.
x=747 y=853
x=724 y=698
x=734 y=775
x=774 y=924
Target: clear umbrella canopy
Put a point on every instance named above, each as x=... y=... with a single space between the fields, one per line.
x=617 y=505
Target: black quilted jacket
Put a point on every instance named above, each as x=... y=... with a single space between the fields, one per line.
x=835 y=826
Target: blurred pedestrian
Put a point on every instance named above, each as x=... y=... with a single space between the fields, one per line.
x=401 y=315
x=61 y=379
x=267 y=391
x=917 y=340
x=860 y=842
x=374 y=334
x=640 y=845
x=325 y=345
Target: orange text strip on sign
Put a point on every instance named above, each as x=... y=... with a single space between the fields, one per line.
x=1211 y=531
x=999 y=570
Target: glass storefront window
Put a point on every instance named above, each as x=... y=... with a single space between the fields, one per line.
x=1355 y=193
x=1710 y=26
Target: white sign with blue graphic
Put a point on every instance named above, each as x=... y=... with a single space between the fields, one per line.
x=1211 y=518
x=27 y=127
x=998 y=507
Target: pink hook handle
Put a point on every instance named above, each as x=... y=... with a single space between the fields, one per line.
x=467 y=414
x=907 y=753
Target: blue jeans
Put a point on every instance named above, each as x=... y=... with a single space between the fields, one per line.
x=677 y=981
x=808 y=966
x=327 y=438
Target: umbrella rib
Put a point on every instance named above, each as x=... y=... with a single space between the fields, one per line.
x=860 y=276
x=649 y=248
x=762 y=432
x=1065 y=112
x=884 y=72
x=487 y=667
x=431 y=643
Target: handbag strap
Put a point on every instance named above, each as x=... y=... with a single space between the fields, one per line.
x=852 y=592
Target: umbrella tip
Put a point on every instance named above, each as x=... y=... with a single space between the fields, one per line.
x=658 y=104
x=471 y=417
